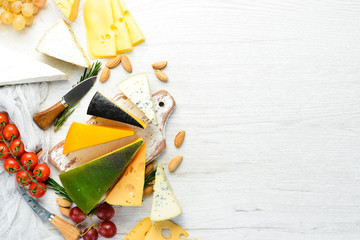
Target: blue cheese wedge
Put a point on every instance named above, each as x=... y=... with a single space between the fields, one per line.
x=60 y=42
x=164 y=206
x=137 y=89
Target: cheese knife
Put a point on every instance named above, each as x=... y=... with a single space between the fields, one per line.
x=45 y=118
x=69 y=231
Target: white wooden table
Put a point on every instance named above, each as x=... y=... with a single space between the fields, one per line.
x=269 y=95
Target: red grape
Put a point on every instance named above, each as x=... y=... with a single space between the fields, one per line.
x=77 y=215
x=105 y=212
x=92 y=234
x=107 y=229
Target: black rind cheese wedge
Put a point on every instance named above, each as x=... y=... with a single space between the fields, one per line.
x=100 y=106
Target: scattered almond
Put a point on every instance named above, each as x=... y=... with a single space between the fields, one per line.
x=105 y=74
x=159 y=65
x=174 y=163
x=161 y=75
x=65 y=211
x=149 y=168
x=125 y=62
x=114 y=61
x=148 y=190
x=63 y=203
x=179 y=139
x=39 y=153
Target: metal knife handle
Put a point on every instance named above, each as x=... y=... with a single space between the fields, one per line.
x=45 y=118
x=69 y=231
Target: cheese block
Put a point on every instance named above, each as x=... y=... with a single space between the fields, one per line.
x=100 y=106
x=70 y=51
x=129 y=190
x=82 y=136
x=122 y=37
x=18 y=68
x=88 y=183
x=136 y=35
x=165 y=204
x=69 y=8
x=155 y=232
x=98 y=20
x=139 y=232
x=137 y=89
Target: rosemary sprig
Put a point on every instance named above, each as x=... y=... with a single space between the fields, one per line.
x=60 y=120
x=150 y=177
x=59 y=190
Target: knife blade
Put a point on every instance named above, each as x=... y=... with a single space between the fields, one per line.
x=69 y=231
x=46 y=117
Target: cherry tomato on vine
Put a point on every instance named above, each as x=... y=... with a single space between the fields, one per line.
x=3 y=118
x=4 y=151
x=29 y=159
x=36 y=191
x=11 y=165
x=41 y=172
x=22 y=177
x=17 y=147
x=10 y=130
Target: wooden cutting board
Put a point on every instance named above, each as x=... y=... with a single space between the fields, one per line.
x=154 y=135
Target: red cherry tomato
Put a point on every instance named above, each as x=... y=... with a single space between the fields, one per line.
x=17 y=147
x=29 y=159
x=3 y=120
x=41 y=172
x=37 y=191
x=11 y=165
x=4 y=151
x=9 y=131
x=23 y=178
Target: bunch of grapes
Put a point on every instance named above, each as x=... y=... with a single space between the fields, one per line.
x=19 y=12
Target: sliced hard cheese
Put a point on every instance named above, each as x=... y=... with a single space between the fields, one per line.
x=123 y=41
x=69 y=8
x=135 y=33
x=155 y=233
x=98 y=19
x=129 y=190
x=16 y=68
x=100 y=106
x=165 y=205
x=82 y=136
x=89 y=182
x=139 y=232
x=137 y=89
x=60 y=42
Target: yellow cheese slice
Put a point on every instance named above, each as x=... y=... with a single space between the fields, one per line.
x=98 y=20
x=82 y=136
x=128 y=191
x=122 y=38
x=139 y=232
x=136 y=35
x=69 y=8
x=155 y=232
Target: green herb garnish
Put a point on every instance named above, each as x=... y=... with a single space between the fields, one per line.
x=59 y=190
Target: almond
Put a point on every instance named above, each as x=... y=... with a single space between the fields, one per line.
x=161 y=75
x=179 y=139
x=113 y=62
x=63 y=203
x=104 y=74
x=148 y=190
x=149 y=168
x=39 y=153
x=65 y=211
x=125 y=62
x=174 y=163
x=159 y=65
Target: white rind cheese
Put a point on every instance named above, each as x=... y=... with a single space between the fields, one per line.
x=165 y=205
x=60 y=42
x=137 y=89
x=17 y=68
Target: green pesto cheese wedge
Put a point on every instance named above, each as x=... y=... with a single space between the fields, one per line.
x=87 y=183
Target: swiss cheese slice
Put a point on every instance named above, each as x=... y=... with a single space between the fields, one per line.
x=139 y=232
x=70 y=51
x=17 y=68
x=165 y=204
x=137 y=89
x=82 y=136
x=122 y=37
x=128 y=191
x=69 y=8
x=155 y=232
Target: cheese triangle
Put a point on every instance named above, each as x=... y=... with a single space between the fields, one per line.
x=139 y=232
x=137 y=89
x=165 y=204
x=18 y=68
x=155 y=232
x=128 y=191
x=60 y=42
x=69 y=8
x=82 y=136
